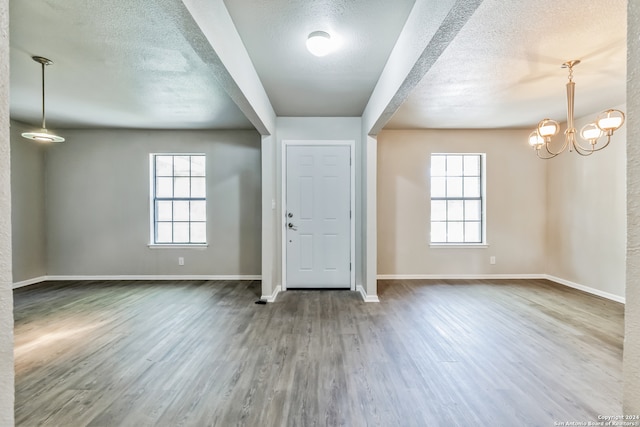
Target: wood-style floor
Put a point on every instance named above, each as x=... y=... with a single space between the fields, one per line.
x=432 y=353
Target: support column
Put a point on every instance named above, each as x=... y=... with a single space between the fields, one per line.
x=370 y=240
x=269 y=232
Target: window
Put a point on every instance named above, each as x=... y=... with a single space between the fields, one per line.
x=457 y=198
x=178 y=187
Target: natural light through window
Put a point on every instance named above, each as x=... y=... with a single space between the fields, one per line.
x=178 y=187
x=457 y=211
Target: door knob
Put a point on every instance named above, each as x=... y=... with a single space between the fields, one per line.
x=291 y=226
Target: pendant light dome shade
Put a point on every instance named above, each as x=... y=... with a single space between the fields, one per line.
x=43 y=135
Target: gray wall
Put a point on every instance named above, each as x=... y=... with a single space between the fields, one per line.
x=6 y=294
x=631 y=363
x=515 y=204
x=97 y=204
x=27 y=206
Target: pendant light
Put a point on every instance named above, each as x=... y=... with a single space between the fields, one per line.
x=43 y=135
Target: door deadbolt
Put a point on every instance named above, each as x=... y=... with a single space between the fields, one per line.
x=290 y=215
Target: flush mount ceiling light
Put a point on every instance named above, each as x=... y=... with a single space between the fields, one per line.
x=605 y=125
x=319 y=43
x=43 y=135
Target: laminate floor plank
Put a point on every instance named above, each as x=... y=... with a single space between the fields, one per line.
x=201 y=353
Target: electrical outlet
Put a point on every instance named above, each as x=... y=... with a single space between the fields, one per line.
x=492 y=260
x=180 y=260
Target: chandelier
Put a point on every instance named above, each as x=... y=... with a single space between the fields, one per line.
x=596 y=134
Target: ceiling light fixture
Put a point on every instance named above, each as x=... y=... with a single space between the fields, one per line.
x=605 y=125
x=43 y=135
x=319 y=43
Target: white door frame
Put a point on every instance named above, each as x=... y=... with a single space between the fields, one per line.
x=283 y=202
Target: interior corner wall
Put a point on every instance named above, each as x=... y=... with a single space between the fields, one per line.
x=7 y=376
x=515 y=204
x=323 y=128
x=586 y=215
x=97 y=187
x=27 y=207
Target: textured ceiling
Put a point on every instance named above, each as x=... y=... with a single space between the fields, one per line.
x=504 y=67
x=147 y=64
x=125 y=63
x=300 y=84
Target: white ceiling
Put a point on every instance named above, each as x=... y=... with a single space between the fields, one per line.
x=504 y=67
x=300 y=84
x=147 y=64
x=124 y=63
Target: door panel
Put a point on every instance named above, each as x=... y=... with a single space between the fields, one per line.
x=318 y=206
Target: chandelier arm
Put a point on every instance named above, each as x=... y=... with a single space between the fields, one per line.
x=582 y=151
x=593 y=149
x=545 y=157
x=605 y=145
x=555 y=153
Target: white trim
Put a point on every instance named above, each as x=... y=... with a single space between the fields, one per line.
x=554 y=279
x=158 y=277
x=135 y=277
x=283 y=201
x=365 y=297
x=177 y=246
x=458 y=245
x=272 y=297
x=483 y=184
x=152 y=192
x=30 y=282
x=458 y=276
x=587 y=289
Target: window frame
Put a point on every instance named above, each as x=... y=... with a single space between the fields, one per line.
x=482 y=198
x=153 y=199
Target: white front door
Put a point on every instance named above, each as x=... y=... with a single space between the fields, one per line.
x=318 y=216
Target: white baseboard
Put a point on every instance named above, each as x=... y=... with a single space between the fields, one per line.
x=29 y=282
x=586 y=289
x=135 y=277
x=157 y=277
x=365 y=297
x=558 y=280
x=359 y=288
x=272 y=297
x=458 y=276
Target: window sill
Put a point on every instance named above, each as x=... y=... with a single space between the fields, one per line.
x=458 y=245
x=178 y=246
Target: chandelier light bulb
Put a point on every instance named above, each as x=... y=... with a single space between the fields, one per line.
x=610 y=120
x=548 y=128
x=535 y=140
x=319 y=43
x=591 y=132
